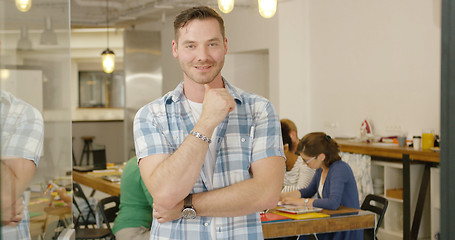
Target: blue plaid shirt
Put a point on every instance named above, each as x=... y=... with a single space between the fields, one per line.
x=249 y=133
x=22 y=132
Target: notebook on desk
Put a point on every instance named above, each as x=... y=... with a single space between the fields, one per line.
x=112 y=178
x=293 y=209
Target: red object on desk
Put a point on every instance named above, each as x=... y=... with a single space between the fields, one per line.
x=272 y=217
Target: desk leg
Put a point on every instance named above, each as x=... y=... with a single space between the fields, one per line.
x=420 y=202
x=406 y=197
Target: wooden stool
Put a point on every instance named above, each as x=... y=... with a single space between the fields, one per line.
x=86 y=150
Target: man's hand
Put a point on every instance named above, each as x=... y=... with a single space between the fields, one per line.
x=216 y=106
x=12 y=215
x=166 y=215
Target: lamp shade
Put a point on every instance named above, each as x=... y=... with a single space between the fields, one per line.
x=23 y=5
x=226 y=6
x=24 y=42
x=108 y=58
x=48 y=37
x=267 y=8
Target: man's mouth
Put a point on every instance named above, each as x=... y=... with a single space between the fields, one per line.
x=202 y=67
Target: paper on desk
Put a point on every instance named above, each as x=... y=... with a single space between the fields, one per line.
x=106 y=172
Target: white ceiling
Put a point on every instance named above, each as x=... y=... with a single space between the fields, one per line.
x=92 y=13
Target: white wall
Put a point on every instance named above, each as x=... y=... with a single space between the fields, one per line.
x=333 y=64
x=374 y=59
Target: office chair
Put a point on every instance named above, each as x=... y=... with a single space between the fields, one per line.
x=378 y=201
x=109 y=208
x=87 y=217
x=108 y=213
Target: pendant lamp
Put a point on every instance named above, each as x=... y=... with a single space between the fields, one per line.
x=226 y=6
x=48 y=37
x=23 y=5
x=108 y=56
x=267 y=8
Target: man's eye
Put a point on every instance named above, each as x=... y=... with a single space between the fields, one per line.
x=190 y=46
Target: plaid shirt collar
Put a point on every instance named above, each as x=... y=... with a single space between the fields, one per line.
x=177 y=94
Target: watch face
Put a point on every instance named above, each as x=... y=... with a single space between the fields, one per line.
x=189 y=213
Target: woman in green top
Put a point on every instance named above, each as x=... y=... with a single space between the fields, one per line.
x=135 y=215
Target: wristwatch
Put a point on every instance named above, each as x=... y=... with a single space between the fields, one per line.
x=188 y=211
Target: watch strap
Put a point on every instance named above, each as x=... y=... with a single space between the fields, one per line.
x=188 y=202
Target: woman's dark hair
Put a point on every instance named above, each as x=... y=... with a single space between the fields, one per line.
x=285 y=131
x=316 y=143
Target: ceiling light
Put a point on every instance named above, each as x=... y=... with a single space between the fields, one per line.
x=267 y=8
x=4 y=74
x=226 y=6
x=24 y=42
x=108 y=56
x=48 y=37
x=23 y=5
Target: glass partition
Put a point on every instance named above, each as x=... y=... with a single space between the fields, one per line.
x=36 y=156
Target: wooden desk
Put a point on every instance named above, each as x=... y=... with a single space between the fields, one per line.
x=388 y=151
x=359 y=220
x=343 y=219
x=97 y=183
x=406 y=155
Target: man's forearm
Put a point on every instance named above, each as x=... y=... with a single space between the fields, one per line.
x=173 y=178
x=16 y=174
x=246 y=197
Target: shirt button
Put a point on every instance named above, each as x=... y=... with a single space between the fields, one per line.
x=206 y=224
x=243 y=140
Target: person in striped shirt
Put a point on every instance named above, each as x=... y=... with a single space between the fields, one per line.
x=298 y=175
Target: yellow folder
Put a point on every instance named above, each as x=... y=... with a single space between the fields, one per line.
x=303 y=215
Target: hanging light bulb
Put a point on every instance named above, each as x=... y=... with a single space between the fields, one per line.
x=226 y=6
x=108 y=56
x=23 y=5
x=4 y=74
x=48 y=37
x=267 y=8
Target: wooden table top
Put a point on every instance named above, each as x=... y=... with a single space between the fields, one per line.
x=388 y=150
x=342 y=219
x=97 y=182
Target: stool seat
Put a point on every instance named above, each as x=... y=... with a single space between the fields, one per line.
x=88 y=138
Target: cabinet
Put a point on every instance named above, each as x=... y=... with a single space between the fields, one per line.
x=391 y=175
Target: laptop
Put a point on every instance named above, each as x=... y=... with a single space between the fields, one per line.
x=99 y=159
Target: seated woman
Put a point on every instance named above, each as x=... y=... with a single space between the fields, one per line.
x=298 y=175
x=333 y=181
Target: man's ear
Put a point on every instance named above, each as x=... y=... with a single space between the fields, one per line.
x=174 y=49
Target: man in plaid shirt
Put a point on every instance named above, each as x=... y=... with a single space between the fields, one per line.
x=22 y=132
x=209 y=153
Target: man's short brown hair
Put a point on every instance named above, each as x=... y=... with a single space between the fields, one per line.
x=201 y=12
